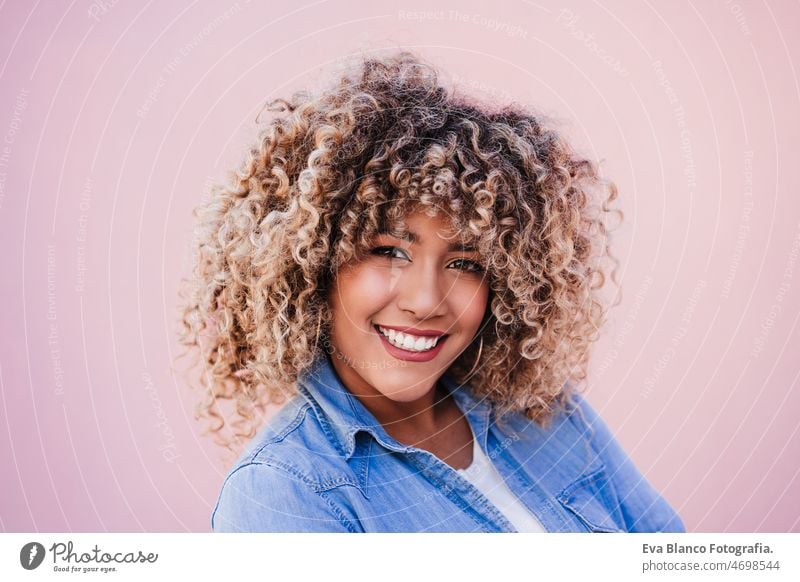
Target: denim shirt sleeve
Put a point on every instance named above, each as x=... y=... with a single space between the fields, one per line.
x=258 y=497
x=643 y=508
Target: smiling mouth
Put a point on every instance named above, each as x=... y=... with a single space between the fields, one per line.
x=409 y=342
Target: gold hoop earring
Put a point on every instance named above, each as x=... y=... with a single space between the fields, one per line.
x=478 y=359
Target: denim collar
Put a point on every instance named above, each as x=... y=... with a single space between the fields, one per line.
x=342 y=415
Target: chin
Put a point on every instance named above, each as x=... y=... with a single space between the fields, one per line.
x=403 y=390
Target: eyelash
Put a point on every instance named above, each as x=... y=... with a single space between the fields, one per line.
x=387 y=251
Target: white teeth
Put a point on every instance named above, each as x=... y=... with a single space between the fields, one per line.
x=411 y=343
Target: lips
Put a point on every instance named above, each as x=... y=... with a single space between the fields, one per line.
x=412 y=342
x=396 y=343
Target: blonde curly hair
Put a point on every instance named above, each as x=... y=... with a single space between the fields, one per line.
x=332 y=170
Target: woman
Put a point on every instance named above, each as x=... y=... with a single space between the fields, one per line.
x=418 y=274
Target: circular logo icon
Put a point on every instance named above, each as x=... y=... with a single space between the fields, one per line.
x=31 y=555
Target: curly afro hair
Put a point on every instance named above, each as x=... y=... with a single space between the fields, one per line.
x=332 y=170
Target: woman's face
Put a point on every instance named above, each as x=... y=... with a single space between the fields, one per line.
x=402 y=315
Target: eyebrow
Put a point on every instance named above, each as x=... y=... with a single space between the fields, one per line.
x=414 y=238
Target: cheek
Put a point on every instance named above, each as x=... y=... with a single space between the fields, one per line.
x=360 y=291
x=470 y=302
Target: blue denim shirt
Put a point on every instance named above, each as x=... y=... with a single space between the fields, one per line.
x=324 y=464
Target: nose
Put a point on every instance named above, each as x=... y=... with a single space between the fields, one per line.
x=420 y=291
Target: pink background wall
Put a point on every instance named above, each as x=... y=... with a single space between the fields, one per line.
x=114 y=115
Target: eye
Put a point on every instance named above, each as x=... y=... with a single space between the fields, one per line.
x=389 y=252
x=468 y=266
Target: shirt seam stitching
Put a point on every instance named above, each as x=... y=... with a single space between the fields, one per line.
x=294 y=472
x=285 y=432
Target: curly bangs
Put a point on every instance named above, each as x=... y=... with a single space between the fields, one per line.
x=332 y=170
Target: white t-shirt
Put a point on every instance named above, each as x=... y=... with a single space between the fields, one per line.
x=482 y=474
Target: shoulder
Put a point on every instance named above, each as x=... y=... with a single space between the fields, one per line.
x=566 y=437
x=296 y=442
x=575 y=427
x=260 y=497
x=589 y=471
x=282 y=480
x=643 y=508
x=293 y=426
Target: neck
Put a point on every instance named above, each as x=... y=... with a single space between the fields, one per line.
x=410 y=422
x=420 y=417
